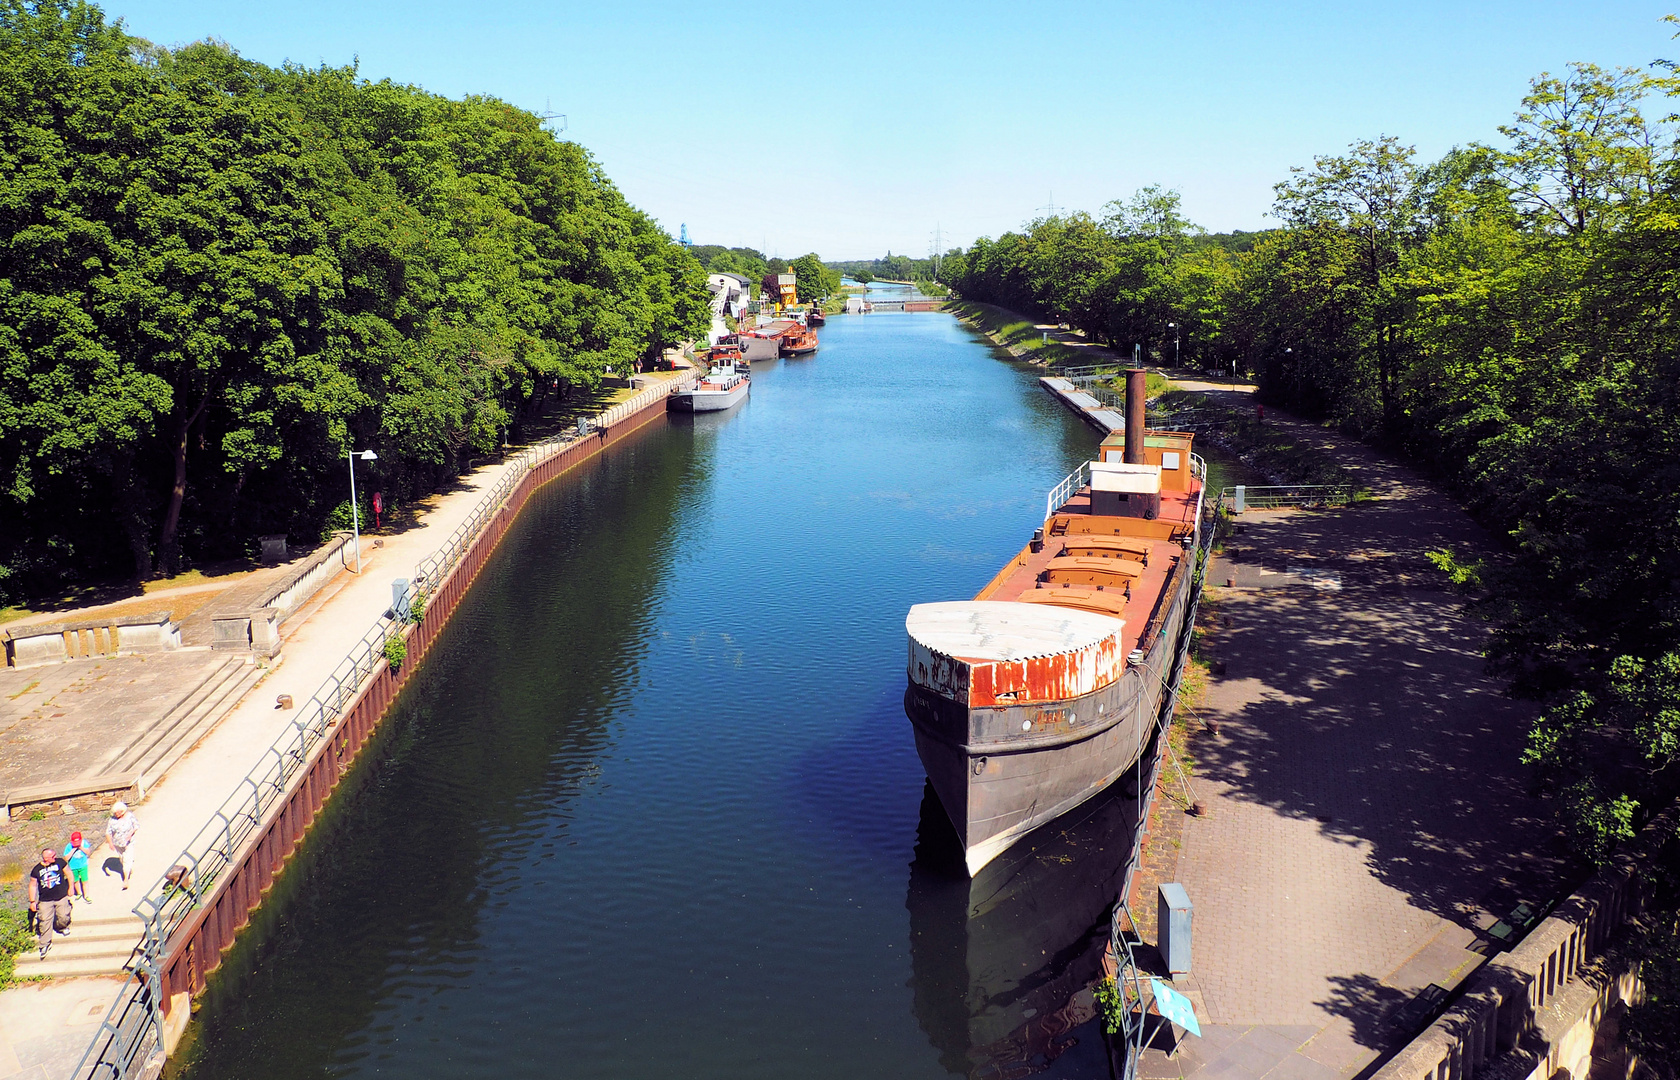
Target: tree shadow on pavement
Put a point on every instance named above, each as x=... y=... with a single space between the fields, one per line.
x=1370 y=1007
x=1369 y=709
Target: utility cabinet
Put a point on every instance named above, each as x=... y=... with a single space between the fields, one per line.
x=1173 y=928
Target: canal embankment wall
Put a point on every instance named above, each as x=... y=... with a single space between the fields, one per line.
x=195 y=947
x=223 y=874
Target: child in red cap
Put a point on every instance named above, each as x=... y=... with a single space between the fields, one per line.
x=77 y=855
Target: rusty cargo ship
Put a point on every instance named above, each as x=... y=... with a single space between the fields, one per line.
x=1037 y=694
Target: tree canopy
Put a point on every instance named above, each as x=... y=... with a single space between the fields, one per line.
x=217 y=278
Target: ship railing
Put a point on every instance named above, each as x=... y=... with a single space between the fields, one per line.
x=1133 y=1007
x=121 y=1047
x=1277 y=496
x=1066 y=490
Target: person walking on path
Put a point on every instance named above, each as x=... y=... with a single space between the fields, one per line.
x=77 y=854
x=49 y=898
x=120 y=831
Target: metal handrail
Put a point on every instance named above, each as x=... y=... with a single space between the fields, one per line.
x=1128 y=979
x=1085 y=371
x=1065 y=490
x=1275 y=496
x=1130 y=984
x=164 y=908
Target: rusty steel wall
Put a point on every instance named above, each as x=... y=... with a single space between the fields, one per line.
x=195 y=950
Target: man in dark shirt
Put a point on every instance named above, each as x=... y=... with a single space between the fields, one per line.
x=49 y=898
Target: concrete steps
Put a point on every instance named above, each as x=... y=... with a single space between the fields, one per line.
x=96 y=945
x=153 y=752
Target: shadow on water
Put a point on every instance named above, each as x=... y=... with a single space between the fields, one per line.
x=398 y=875
x=1002 y=964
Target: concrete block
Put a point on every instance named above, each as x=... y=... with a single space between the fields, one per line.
x=230 y=632
x=265 y=631
x=38 y=649
x=274 y=549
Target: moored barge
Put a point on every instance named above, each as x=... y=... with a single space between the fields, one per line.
x=799 y=341
x=1037 y=694
x=723 y=387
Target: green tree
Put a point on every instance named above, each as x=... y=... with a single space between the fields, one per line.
x=1370 y=195
x=812 y=279
x=216 y=277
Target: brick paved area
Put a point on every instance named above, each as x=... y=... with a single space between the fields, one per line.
x=1365 y=808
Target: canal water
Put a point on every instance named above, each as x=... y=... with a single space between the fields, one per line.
x=652 y=807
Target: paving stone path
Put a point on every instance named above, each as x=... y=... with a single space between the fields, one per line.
x=1366 y=817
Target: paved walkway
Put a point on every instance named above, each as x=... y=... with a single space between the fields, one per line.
x=44 y=1027
x=1365 y=813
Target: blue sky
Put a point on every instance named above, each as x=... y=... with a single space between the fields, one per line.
x=854 y=129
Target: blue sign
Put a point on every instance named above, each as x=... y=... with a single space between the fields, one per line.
x=1175 y=1007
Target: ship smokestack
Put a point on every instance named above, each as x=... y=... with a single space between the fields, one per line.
x=1136 y=385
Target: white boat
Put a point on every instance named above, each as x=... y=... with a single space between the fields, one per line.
x=723 y=387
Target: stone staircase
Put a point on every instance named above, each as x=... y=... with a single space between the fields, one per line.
x=101 y=941
x=152 y=752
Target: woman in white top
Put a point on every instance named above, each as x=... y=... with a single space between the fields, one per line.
x=120 y=831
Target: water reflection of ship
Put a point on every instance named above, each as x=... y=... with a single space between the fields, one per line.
x=999 y=962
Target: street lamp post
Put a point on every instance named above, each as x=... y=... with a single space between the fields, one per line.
x=355 y=516
x=1177 y=359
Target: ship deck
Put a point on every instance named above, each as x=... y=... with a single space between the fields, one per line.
x=1177 y=518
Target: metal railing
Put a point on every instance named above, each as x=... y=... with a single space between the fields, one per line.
x=123 y=1042
x=1065 y=490
x=1277 y=496
x=1086 y=371
x=1133 y=1018
x=130 y=1037
x=1105 y=395
x=435 y=567
x=1195 y=421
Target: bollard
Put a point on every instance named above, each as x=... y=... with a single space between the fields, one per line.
x=1240 y=499
x=1173 y=927
x=399 y=599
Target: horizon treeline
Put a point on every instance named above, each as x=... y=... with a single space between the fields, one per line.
x=1508 y=317
x=217 y=278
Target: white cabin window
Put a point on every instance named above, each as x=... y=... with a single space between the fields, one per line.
x=1169 y=460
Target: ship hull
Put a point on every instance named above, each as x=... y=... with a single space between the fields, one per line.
x=1001 y=772
x=998 y=960
x=698 y=401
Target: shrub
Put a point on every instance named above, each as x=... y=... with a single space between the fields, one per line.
x=396 y=651
x=15 y=938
